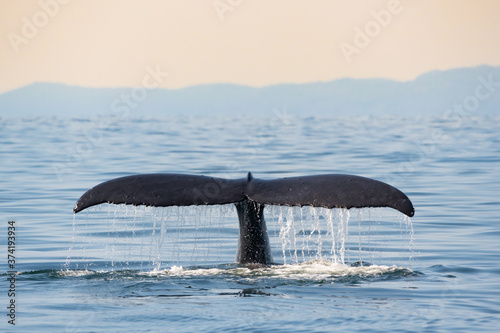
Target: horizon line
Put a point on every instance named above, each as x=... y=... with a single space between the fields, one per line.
x=250 y=86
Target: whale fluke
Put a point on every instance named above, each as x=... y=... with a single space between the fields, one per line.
x=329 y=191
x=250 y=195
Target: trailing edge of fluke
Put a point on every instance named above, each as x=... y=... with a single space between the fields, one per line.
x=329 y=191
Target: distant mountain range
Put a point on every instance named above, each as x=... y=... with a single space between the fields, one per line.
x=478 y=89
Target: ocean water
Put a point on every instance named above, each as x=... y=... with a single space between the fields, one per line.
x=117 y=268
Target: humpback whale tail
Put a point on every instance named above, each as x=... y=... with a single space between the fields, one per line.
x=250 y=195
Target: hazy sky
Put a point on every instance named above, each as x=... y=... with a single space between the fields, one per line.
x=110 y=43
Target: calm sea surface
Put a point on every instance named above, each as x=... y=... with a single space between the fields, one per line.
x=127 y=269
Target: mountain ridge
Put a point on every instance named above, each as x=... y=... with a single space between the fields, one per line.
x=432 y=93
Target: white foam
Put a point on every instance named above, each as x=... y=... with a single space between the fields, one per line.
x=312 y=271
x=77 y=272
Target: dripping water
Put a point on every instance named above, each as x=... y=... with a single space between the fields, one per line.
x=313 y=233
x=151 y=238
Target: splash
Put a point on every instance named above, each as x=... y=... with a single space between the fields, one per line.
x=152 y=238
x=315 y=270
